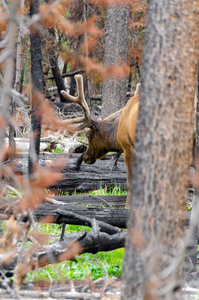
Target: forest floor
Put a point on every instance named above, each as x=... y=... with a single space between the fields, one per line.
x=104 y=288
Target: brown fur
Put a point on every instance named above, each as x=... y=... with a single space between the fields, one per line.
x=126 y=138
x=117 y=135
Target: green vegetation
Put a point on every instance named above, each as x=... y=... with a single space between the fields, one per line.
x=87 y=265
x=102 y=191
x=57 y=150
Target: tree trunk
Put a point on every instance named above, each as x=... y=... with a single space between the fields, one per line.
x=55 y=69
x=114 y=90
x=155 y=246
x=193 y=231
x=57 y=75
x=37 y=83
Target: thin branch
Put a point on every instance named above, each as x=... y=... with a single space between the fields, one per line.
x=69 y=74
x=3 y=2
x=4 y=42
x=9 y=64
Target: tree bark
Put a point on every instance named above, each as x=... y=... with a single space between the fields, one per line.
x=114 y=89
x=193 y=242
x=37 y=83
x=55 y=68
x=155 y=246
x=57 y=75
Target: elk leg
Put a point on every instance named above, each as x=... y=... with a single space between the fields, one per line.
x=115 y=159
x=62 y=232
x=79 y=161
x=129 y=158
x=76 y=165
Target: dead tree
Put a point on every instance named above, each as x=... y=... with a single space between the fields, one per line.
x=37 y=83
x=163 y=153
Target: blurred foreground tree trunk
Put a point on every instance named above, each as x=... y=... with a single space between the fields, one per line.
x=116 y=46
x=155 y=248
x=37 y=84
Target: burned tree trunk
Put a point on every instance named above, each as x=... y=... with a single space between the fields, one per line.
x=37 y=84
x=155 y=246
x=55 y=69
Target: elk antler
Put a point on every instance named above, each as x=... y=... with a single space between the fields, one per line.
x=80 y=100
x=137 y=90
x=118 y=113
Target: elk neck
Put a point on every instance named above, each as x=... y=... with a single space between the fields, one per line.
x=109 y=132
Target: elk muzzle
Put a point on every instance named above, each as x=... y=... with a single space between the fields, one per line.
x=89 y=159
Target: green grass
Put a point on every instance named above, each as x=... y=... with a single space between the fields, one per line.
x=55 y=229
x=87 y=265
x=115 y=191
x=57 y=150
x=102 y=191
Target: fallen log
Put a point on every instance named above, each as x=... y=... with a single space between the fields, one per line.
x=95 y=224
x=114 y=217
x=117 y=201
x=89 y=242
x=88 y=177
x=63 y=213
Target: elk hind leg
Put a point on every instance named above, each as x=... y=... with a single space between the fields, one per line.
x=129 y=158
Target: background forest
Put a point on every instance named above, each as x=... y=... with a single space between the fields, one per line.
x=73 y=41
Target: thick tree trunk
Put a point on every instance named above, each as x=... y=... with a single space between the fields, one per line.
x=114 y=90
x=154 y=246
x=193 y=242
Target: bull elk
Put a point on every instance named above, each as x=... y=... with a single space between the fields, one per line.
x=114 y=133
